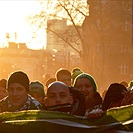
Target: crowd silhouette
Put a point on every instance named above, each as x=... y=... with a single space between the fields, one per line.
x=73 y=92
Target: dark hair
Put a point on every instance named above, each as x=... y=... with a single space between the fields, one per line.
x=113 y=94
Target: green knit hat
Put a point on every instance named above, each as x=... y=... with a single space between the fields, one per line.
x=75 y=74
x=85 y=75
x=37 y=87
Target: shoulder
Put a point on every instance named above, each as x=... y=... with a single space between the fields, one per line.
x=34 y=104
x=4 y=104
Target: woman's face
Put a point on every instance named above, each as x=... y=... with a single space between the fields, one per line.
x=85 y=87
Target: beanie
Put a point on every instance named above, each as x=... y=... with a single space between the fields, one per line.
x=37 y=87
x=20 y=78
x=85 y=75
x=3 y=83
x=75 y=74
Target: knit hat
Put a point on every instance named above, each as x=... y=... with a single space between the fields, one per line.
x=76 y=73
x=85 y=75
x=20 y=78
x=3 y=83
x=37 y=87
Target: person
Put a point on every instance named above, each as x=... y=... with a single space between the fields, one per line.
x=130 y=85
x=18 y=98
x=3 y=92
x=62 y=98
x=113 y=96
x=103 y=94
x=58 y=95
x=63 y=75
x=117 y=95
x=36 y=90
x=75 y=72
x=46 y=77
x=124 y=83
x=49 y=81
x=86 y=84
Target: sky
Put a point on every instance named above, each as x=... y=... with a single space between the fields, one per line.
x=12 y=19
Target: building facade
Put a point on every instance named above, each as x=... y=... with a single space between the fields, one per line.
x=19 y=57
x=108 y=36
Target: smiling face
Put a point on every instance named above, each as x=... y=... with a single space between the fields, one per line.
x=58 y=94
x=85 y=87
x=18 y=95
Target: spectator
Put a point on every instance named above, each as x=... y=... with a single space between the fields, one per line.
x=64 y=76
x=18 y=98
x=75 y=72
x=113 y=96
x=117 y=95
x=49 y=81
x=124 y=83
x=45 y=78
x=60 y=97
x=86 y=84
x=103 y=94
x=37 y=91
x=130 y=85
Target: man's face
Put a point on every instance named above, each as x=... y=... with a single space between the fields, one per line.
x=58 y=94
x=17 y=94
x=65 y=79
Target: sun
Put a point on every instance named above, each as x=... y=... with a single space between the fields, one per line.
x=12 y=15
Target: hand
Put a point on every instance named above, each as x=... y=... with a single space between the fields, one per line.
x=94 y=114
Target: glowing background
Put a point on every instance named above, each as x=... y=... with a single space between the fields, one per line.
x=12 y=19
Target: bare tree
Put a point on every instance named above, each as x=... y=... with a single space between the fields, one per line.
x=72 y=11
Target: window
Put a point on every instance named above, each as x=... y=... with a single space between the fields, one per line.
x=123 y=69
x=123 y=48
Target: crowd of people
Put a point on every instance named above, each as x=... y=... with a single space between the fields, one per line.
x=73 y=92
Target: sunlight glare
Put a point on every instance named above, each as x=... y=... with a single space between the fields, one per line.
x=13 y=14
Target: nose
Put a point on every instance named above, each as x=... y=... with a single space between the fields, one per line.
x=82 y=88
x=58 y=100
x=14 y=92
